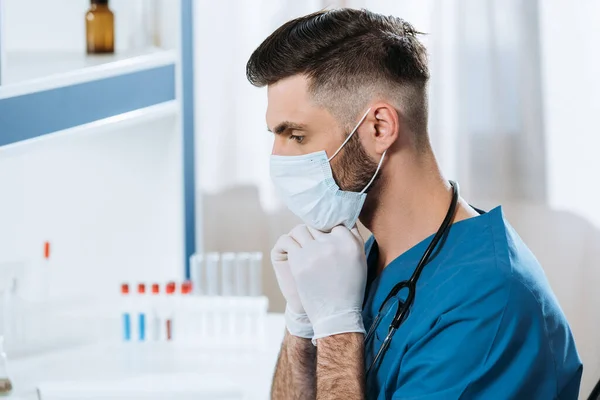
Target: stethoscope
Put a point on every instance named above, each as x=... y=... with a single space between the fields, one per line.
x=410 y=284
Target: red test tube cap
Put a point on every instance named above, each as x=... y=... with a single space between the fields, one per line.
x=155 y=288
x=186 y=287
x=141 y=288
x=171 y=288
x=124 y=288
x=46 y=250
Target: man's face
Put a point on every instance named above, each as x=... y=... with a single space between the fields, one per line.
x=302 y=127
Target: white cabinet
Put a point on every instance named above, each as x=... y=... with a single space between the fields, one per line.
x=92 y=153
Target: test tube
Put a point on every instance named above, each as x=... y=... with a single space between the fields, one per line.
x=255 y=274
x=171 y=287
x=212 y=274
x=155 y=312
x=142 y=314
x=183 y=325
x=196 y=276
x=227 y=273
x=242 y=264
x=126 y=312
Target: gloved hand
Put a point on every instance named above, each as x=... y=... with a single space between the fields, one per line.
x=330 y=272
x=296 y=320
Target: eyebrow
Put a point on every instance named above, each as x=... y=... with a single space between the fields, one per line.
x=287 y=125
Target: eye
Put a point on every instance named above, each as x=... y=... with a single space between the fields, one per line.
x=298 y=139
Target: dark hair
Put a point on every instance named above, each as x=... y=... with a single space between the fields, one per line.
x=344 y=49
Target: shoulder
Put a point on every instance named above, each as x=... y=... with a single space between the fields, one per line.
x=491 y=272
x=491 y=255
x=513 y=266
x=505 y=289
x=493 y=316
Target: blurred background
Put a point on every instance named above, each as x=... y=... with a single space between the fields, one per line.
x=118 y=167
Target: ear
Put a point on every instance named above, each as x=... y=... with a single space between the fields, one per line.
x=386 y=123
x=380 y=128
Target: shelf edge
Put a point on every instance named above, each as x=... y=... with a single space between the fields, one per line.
x=89 y=74
x=142 y=115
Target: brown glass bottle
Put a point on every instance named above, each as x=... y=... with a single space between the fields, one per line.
x=100 y=28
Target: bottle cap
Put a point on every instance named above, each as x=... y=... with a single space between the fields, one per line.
x=155 y=288
x=124 y=288
x=186 y=287
x=141 y=288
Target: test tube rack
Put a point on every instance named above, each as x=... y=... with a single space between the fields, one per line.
x=219 y=321
x=171 y=315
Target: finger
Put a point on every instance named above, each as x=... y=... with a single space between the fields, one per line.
x=302 y=235
x=341 y=231
x=346 y=234
x=282 y=247
x=317 y=234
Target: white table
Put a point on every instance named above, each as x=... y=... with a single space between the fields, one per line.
x=251 y=370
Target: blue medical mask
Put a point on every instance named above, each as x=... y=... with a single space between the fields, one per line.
x=306 y=185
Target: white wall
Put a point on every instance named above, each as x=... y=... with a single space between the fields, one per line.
x=571 y=61
x=109 y=199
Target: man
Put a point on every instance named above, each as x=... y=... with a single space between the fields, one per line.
x=348 y=107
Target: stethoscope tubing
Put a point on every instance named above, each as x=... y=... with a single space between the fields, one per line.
x=411 y=284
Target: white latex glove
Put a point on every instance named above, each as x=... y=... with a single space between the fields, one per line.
x=330 y=272
x=296 y=320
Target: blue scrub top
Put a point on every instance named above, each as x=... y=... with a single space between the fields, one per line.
x=484 y=324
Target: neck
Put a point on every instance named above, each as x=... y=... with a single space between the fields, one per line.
x=409 y=204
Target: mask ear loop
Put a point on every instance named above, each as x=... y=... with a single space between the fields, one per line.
x=375 y=174
x=349 y=136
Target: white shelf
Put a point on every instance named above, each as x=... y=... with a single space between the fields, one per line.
x=119 y=122
x=27 y=72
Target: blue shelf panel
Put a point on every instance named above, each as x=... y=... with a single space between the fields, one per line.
x=40 y=113
x=189 y=163
x=1 y=40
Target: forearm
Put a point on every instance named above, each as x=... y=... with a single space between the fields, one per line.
x=340 y=367
x=296 y=369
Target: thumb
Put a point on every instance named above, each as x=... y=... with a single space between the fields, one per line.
x=282 y=247
x=348 y=234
